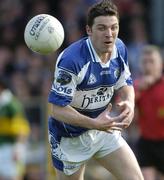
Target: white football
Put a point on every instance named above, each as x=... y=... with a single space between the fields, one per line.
x=44 y=34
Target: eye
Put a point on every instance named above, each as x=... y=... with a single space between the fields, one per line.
x=114 y=28
x=101 y=28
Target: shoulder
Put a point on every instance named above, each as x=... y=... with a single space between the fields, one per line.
x=120 y=45
x=122 y=49
x=75 y=56
x=76 y=50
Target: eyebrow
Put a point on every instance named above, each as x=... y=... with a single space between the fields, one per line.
x=106 y=25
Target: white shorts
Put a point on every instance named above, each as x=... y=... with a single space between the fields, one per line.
x=70 y=153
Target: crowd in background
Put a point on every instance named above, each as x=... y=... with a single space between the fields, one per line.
x=28 y=74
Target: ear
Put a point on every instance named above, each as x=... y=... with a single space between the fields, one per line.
x=88 y=30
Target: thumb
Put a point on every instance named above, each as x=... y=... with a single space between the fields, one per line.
x=108 y=109
x=120 y=104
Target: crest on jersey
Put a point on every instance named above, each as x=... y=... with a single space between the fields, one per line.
x=116 y=73
x=92 y=79
x=63 y=77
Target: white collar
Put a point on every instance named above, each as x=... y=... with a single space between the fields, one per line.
x=94 y=55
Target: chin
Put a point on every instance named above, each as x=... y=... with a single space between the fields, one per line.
x=109 y=50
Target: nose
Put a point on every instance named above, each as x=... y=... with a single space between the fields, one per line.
x=108 y=32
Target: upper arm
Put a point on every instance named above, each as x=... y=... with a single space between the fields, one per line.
x=125 y=75
x=126 y=90
x=64 y=84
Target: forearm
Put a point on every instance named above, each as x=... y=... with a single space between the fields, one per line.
x=126 y=93
x=69 y=115
x=126 y=103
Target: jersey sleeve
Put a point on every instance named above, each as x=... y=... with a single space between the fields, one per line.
x=125 y=77
x=64 y=84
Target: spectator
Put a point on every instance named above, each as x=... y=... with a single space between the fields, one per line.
x=135 y=46
x=14 y=131
x=150 y=114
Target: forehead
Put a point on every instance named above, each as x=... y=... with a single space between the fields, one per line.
x=153 y=57
x=105 y=20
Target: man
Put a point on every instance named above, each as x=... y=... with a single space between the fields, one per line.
x=14 y=132
x=81 y=125
x=150 y=105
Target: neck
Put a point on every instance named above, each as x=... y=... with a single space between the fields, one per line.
x=105 y=57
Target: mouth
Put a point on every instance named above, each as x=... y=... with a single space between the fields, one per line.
x=108 y=43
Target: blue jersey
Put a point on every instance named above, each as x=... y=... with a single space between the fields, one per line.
x=85 y=83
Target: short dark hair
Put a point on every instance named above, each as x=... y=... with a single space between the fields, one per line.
x=103 y=8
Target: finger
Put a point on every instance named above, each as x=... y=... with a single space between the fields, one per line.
x=114 y=129
x=120 y=117
x=117 y=128
x=125 y=104
x=121 y=104
x=127 y=122
x=106 y=111
x=109 y=108
x=118 y=125
x=125 y=111
x=109 y=131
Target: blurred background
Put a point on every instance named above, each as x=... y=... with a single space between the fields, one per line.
x=30 y=75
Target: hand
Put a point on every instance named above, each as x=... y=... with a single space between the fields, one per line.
x=104 y=122
x=126 y=108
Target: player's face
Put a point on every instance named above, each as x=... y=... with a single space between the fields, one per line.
x=103 y=33
x=151 y=63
